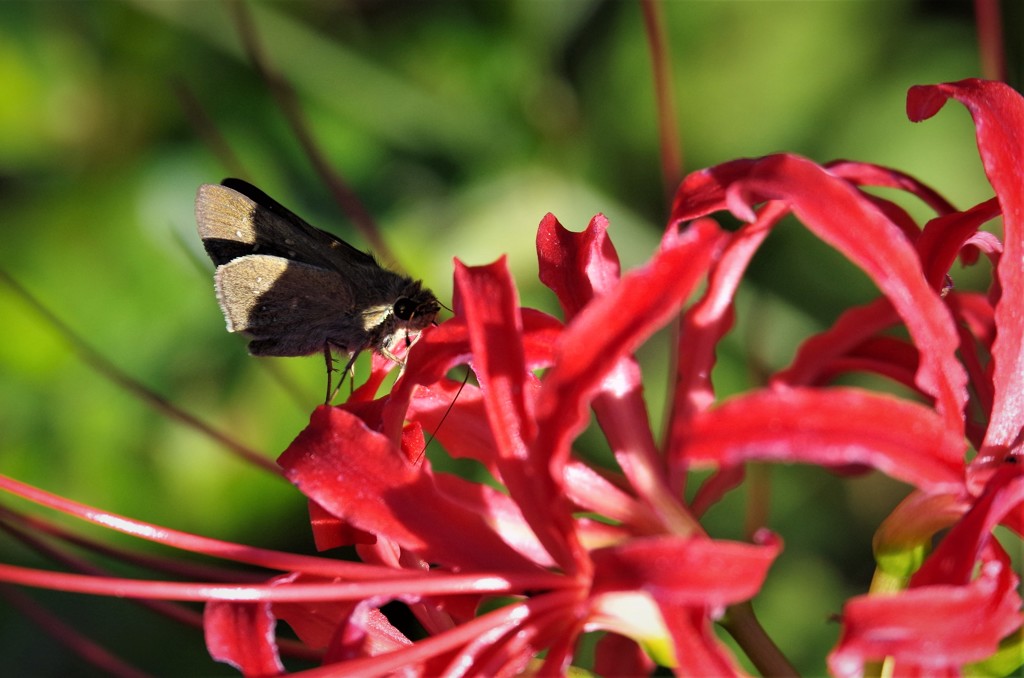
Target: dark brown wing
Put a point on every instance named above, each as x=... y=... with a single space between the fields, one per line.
x=290 y=308
x=237 y=219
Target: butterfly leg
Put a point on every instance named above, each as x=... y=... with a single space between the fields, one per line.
x=391 y=356
x=329 y=359
x=350 y=371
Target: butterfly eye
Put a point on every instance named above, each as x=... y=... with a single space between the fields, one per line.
x=404 y=308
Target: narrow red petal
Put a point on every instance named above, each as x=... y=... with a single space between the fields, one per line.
x=687 y=571
x=715 y=487
x=884 y=356
x=832 y=427
x=330 y=532
x=841 y=216
x=704 y=191
x=998 y=113
x=699 y=652
x=242 y=635
x=491 y=307
x=707 y=321
x=853 y=343
x=422 y=394
x=617 y=655
x=501 y=512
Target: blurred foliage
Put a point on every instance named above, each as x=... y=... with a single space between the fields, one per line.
x=460 y=124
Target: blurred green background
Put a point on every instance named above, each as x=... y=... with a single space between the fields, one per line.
x=460 y=124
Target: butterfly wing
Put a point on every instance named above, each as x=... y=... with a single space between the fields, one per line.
x=236 y=219
x=288 y=308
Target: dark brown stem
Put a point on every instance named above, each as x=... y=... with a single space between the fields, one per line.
x=207 y=129
x=284 y=96
x=746 y=630
x=101 y=364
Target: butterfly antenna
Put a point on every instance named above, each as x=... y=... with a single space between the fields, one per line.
x=433 y=433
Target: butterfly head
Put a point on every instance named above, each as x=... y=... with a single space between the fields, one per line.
x=416 y=308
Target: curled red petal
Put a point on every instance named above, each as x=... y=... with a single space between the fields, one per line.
x=831 y=427
x=330 y=532
x=611 y=328
x=704 y=191
x=841 y=216
x=853 y=343
x=361 y=477
x=366 y=632
x=954 y=560
x=884 y=356
x=689 y=578
x=929 y=629
x=707 y=321
x=576 y=266
x=868 y=174
x=998 y=114
x=943 y=238
x=314 y=621
x=242 y=635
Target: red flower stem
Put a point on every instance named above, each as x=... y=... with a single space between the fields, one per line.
x=759 y=495
x=990 y=39
x=671 y=147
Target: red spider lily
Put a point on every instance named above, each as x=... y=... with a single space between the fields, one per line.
x=521 y=426
x=618 y=578
x=498 y=577
x=923 y=629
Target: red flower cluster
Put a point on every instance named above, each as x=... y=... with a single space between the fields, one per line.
x=571 y=549
x=503 y=575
